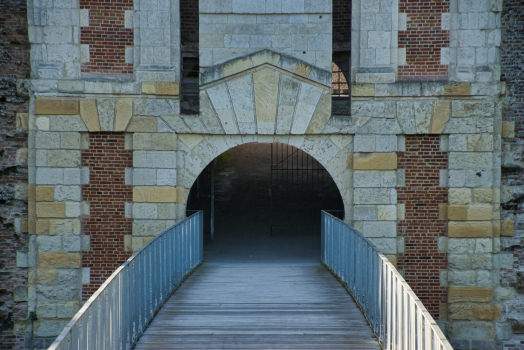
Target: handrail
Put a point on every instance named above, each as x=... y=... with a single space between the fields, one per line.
x=121 y=309
x=397 y=316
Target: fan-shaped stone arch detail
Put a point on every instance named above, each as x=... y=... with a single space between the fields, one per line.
x=265 y=93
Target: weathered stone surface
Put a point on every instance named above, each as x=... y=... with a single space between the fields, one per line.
x=302 y=69
x=508 y=130
x=89 y=113
x=154 y=194
x=507 y=228
x=470 y=229
x=375 y=161
x=470 y=294
x=486 y=312
x=457 y=212
x=59 y=260
x=460 y=312
x=65 y=106
x=51 y=210
x=46 y=276
x=483 y=195
x=64 y=158
x=321 y=115
x=67 y=123
x=439 y=117
x=123 y=114
x=106 y=113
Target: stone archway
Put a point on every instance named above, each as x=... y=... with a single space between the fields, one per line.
x=333 y=152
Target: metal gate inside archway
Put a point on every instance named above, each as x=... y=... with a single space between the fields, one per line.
x=300 y=188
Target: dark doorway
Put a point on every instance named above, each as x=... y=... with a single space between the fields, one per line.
x=244 y=194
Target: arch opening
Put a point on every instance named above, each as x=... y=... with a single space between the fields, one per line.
x=267 y=200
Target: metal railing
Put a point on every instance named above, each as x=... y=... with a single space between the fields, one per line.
x=119 y=312
x=396 y=315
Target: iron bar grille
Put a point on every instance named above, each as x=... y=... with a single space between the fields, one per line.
x=300 y=188
x=339 y=81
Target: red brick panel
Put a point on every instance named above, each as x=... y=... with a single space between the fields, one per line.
x=106 y=194
x=422 y=227
x=107 y=37
x=423 y=39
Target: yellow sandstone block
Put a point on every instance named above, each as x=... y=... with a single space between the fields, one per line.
x=45 y=193
x=89 y=114
x=486 y=312
x=507 y=228
x=59 y=260
x=375 y=161
x=457 y=89
x=123 y=114
x=167 y=88
x=480 y=212
x=154 y=194
x=508 y=130
x=440 y=115
x=51 y=210
x=42 y=227
x=470 y=294
x=302 y=69
x=470 y=229
x=443 y=211
x=68 y=106
x=457 y=212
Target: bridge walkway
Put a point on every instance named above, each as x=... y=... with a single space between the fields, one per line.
x=259 y=306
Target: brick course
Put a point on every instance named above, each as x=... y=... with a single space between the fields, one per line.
x=107 y=37
x=423 y=39
x=422 y=227
x=106 y=194
x=14 y=67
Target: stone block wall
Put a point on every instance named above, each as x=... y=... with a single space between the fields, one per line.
x=15 y=315
x=235 y=28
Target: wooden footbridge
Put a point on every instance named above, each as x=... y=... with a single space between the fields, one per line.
x=163 y=297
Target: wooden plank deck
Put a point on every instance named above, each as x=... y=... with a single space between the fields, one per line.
x=259 y=306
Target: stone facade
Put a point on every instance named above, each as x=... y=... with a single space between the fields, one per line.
x=417 y=158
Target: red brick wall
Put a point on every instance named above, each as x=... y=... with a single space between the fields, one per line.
x=106 y=194
x=422 y=227
x=341 y=25
x=423 y=39
x=107 y=37
x=14 y=66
